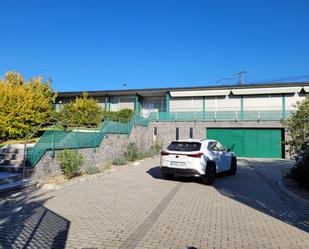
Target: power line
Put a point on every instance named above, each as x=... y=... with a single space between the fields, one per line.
x=301 y=77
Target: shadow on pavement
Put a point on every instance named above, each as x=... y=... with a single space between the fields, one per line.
x=155 y=173
x=249 y=188
x=26 y=223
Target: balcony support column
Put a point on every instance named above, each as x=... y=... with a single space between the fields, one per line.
x=204 y=107
x=283 y=106
x=137 y=106
x=167 y=98
x=241 y=107
x=107 y=103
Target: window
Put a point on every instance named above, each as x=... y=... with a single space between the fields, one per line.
x=215 y=146
x=177 y=133
x=184 y=146
x=212 y=145
x=191 y=132
x=155 y=131
x=219 y=147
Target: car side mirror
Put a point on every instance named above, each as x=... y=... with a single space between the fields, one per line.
x=228 y=149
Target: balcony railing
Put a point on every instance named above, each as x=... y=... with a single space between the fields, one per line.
x=270 y=115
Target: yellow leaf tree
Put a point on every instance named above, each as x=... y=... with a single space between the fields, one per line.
x=23 y=105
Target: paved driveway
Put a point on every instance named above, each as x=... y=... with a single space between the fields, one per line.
x=134 y=208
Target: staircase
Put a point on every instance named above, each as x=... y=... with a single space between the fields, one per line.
x=11 y=168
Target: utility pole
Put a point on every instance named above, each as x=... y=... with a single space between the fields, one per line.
x=242 y=77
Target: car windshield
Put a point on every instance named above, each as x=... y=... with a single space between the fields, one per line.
x=184 y=146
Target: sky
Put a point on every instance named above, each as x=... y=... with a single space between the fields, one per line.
x=99 y=45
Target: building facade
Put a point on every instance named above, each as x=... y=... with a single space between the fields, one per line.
x=246 y=118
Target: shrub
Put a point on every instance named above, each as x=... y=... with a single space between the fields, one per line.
x=157 y=147
x=300 y=171
x=152 y=152
x=297 y=127
x=132 y=152
x=92 y=170
x=120 y=161
x=111 y=115
x=70 y=162
x=123 y=115
x=84 y=111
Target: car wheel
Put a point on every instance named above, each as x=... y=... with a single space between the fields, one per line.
x=166 y=176
x=210 y=175
x=233 y=168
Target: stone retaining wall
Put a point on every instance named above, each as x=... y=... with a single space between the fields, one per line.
x=115 y=145
x=111 y=147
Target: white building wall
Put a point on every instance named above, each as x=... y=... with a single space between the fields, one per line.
x=226 y=103
x=183 y=104
x=262 y=102
x=119 y=103
x=291 y=99
x=126 y=102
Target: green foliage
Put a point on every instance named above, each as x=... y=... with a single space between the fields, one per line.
x=157 y=147
x=152 y=152
x=132 y=152
x=84 y=111
x=120 y=161
x=23 y=105
x=297 y=127
x=123 y=115
x=70 y=162
x=92 y=170
x=300 y=171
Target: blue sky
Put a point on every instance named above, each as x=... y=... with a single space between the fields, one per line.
x=92 y=45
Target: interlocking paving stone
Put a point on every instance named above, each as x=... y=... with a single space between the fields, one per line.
x=133 y=207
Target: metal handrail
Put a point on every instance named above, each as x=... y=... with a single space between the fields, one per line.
x=124 y=128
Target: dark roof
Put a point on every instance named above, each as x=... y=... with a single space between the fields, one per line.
x=162 y=91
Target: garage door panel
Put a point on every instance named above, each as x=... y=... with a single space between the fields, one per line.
x=259 y=143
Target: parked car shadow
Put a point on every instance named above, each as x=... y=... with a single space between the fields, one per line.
x=26 y=223
x=155 y=173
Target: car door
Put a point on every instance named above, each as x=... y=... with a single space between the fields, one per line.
x=224 y=157
x=216 y=156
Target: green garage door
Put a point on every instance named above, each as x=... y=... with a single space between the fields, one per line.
x=263 y=143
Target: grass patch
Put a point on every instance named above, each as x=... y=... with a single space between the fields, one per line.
x=119 y=161
x=92 y=170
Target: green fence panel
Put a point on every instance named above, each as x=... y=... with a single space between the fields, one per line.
x=219 y=115
x=79 y=138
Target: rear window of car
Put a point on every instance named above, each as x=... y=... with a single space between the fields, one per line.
x=184 y=146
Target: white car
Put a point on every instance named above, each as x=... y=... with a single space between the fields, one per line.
x=199 y=158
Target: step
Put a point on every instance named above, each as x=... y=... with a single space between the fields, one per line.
x=4 y=163
x=11 y=150
x=12 y=186
x=10 y=168
x=7 y=177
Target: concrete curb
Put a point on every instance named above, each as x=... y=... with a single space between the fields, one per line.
x=47 y=186
x=290 y=194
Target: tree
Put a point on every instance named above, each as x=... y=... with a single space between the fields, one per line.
x=23 y=105
x=297 y=127
x=298 y=130
x=83 y=111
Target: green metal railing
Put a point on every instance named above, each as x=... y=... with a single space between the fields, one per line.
x=271 y=115
x=55 y=139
